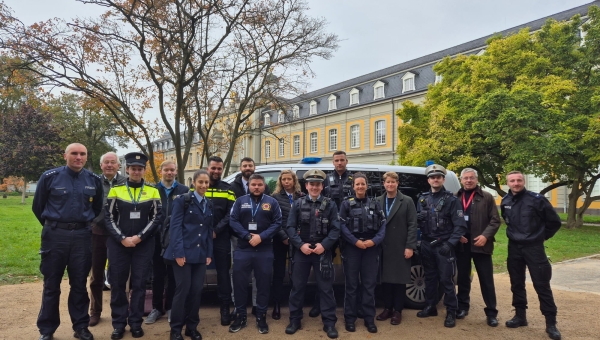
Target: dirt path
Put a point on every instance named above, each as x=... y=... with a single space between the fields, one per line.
x=578 y=319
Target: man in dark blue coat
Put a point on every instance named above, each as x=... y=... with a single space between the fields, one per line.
x=66 y=201
x=255 y=218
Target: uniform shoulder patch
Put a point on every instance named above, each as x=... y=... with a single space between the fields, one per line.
x=534 y=194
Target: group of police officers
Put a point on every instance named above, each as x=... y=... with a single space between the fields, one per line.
x=454 y=229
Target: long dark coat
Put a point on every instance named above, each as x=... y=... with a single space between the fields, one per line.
x=401 y=233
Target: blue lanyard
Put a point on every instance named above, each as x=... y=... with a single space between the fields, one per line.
x=131 y=196
x=291 y=199
x=254 y=211
x=388 y=209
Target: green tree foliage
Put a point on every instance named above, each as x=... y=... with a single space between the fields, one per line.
x=530 y=102
x=29 y=144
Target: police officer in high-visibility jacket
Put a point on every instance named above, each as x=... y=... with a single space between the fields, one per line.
x=313 y=227
x=132 y=216
x=363 y=228
x=441 y=219
x=255 y=218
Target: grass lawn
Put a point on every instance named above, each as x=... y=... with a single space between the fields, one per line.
x=20 y=234
x=566 y=244
x=586 y=218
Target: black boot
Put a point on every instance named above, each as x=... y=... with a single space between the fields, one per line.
x=518 y=320
x=552 y=331
x=261 y=324
x=225 y=315
x=450 y=319
x=315 y=310
x=276 y=311
x=428 y=311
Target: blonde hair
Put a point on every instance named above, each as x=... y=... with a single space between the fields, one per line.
x=391 y=175
x=279 y=187
x=167 y=162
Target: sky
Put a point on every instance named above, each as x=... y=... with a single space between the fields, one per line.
x=374 y=34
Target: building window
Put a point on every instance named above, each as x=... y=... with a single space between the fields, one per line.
x=296 y=145
x=281 y=117
x=267 y=119
x=313 y=142
x=268 y=149
x=312 y=108
x=332 y=102
x=438 y=78
x=333 y=139
x=197 y=158
x=296 y=111
x=378 y=90
x=408 y=82
x=380 y=132
x=190 y=160
x=354 y=96
x=281 y=147
x=355 y=136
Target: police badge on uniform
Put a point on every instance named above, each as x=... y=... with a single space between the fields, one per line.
x=266 y=206
x=460 y=213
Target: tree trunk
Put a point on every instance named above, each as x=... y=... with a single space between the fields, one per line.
x=572 y=221
x=24 y=190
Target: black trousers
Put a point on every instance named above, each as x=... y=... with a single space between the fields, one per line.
x=121 y=262
x=438 y=268
x=485 y=272
x=99 y=257
x=534 y=257
x=186 y=302
x=394 y=295
x=65 y=249
x=360 y=270
x=244 y=262
x=160 y=273
x=222 y=259
x=300 y=273
x=280 y=253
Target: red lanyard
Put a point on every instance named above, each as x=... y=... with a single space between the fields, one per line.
x=467 y=204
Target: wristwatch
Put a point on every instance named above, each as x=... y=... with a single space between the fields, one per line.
x=248 y=237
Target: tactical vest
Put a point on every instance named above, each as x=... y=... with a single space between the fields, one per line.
x=314 y=223
x=338 y=189
x=364 y=219
x=438 y=221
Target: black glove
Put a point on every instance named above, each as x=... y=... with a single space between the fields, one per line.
x=326 y=266
x=422 y=215
x=445 y=249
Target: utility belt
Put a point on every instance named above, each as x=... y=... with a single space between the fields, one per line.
x=67 y=226
x=433 y=241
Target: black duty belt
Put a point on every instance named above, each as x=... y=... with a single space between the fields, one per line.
x=68 y=226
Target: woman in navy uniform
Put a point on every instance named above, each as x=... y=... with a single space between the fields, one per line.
x=189 y=252
x=132 y=216
x=398 y=245
x=286 y=192
x=363 y=228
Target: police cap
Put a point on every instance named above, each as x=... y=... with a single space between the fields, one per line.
x=435 y=170
x=314 y=175
x=136 y=158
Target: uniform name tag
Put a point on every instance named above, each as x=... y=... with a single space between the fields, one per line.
x=252 y=226
x=466 y=217
x=134 y=215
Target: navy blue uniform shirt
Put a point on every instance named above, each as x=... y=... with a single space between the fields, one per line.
x=267 y=217
x=63 y=195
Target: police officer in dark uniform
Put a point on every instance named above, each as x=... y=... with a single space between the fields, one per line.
x=66 y=201
x=313 y=228
x=363 y=228
x=442 y=224
x=132 y=216
x=255 y=218
x=530 y=221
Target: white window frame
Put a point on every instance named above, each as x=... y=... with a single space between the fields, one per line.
x=380 y=132
x=333 y=134
x=438 y=78
x=355 y=136
x=314 y=144
x=332 y=102
x=354 y=93
x=296 y=112
x=480 y=53
x=281 y=117
x=296 y=145
x=267 y=149
x=197 y=158
x=281 y=147
x=408 y=82
x=379 y=86
x=267 y=119
x=312 y=108
x=190 y=160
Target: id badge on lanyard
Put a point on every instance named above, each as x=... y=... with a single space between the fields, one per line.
x=135 y=215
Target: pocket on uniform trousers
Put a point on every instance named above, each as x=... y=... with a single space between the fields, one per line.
x=45 y=261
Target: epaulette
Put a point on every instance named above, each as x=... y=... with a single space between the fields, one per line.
x=51 y=172
x=352 y=201
x=119 y=185
x=150 y=185
x=534 y=194
x=96 y=175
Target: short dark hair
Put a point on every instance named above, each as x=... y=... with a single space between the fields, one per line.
x=359 y=175
x=256 y=176
x=200 y=172
x=340 y=152
x=216 y=159
x=246 y=159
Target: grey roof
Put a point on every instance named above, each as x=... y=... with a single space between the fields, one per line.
x=468 y=46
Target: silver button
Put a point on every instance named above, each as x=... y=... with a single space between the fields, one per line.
x=201 y=224
x=198 y=245
x=199 y=234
